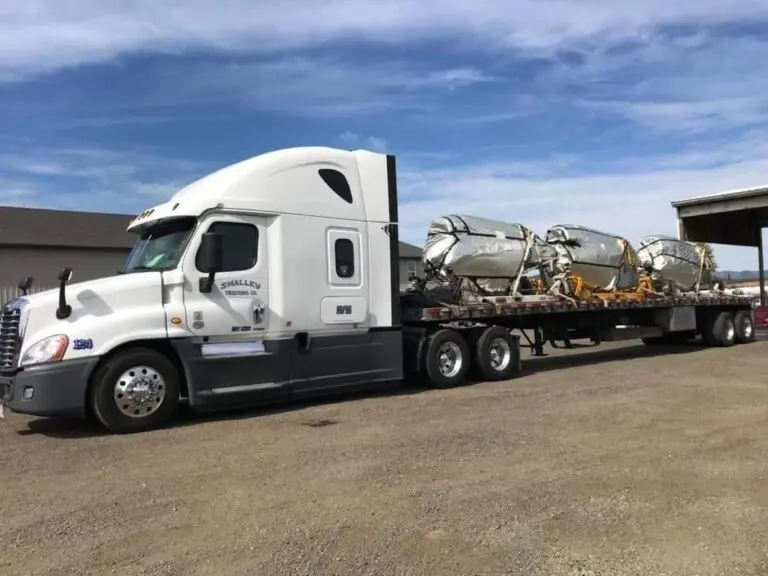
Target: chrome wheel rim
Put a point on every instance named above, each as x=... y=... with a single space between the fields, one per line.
x=499 y=354
x=730 y=333
x=139 y=391
x=747 y=328
x=449 y=359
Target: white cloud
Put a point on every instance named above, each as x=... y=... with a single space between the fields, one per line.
x=612 y=58
x=689 y=115
x=630 y=198
x=369 y=142
x=312 y=86
x=43 y=35
x=689 y=84
x=92 y=179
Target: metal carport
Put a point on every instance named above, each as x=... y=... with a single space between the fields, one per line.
x=736 y=218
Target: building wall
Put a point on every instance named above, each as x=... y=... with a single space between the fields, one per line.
x=407 y=267
x=44 y=263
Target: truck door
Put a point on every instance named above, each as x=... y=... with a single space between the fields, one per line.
x=341 y=352
x=233 y=362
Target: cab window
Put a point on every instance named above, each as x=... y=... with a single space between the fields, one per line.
x=240 y=245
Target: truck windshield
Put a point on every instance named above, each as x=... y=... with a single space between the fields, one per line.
x=160 y=246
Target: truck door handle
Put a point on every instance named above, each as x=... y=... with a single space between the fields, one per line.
x=258 y=313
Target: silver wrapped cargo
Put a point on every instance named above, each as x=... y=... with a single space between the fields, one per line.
x=603 y=260
x=671 y=260
x=490 y=253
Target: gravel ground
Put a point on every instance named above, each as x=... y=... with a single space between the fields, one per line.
x=609 y=462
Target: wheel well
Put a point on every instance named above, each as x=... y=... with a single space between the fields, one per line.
x=162 y=346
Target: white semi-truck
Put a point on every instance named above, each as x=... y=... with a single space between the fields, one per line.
x=277 y=278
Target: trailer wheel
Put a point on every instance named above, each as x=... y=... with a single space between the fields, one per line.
x=135 y=390
x=745 y=327
x=448 y=358
x=721 y=330
x=497 y=354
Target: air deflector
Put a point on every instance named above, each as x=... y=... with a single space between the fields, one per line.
x=337 y=182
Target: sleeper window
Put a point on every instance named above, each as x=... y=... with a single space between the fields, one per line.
x=240 y=243
x=344 y=252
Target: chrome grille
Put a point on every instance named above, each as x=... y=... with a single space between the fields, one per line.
x=10 y=323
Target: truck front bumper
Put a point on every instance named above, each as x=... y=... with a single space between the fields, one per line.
x=50 y=389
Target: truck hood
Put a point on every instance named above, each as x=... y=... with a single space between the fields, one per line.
x=105 y=312
x=92 y=296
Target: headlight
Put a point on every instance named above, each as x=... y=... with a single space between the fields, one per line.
x=49 y=349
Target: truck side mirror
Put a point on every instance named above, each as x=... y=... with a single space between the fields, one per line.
x=65 y=275
x=64 y=310
x=211 y=258
x=25 y=285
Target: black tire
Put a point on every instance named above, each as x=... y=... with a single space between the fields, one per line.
x=723 y=332
x=707 y=331
x=484 y=354
x=745 y=327
x=103 y=396
x=450 y=342
x=653 y=341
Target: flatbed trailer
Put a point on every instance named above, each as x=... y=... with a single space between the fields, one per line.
x=441 y=342
x=277 y=278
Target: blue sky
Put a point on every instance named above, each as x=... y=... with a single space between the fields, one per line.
x=541 y=112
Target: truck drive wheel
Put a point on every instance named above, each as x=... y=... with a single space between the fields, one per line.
x=447 y=359
x=720 y=330
x=497 y=354
x=745 y=327
x=135 y=390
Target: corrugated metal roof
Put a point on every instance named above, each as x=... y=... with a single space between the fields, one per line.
x=40 y=227
x=409 y=251
x=723 y=196
x=43 y=227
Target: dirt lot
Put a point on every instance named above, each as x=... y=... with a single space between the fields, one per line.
x=613 y=466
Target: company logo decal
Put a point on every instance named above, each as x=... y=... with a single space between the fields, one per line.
x=240 y=287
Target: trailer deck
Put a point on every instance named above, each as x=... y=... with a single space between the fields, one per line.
x=441 y=339
x=537 y=305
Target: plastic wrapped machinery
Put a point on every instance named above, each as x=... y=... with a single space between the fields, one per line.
x=489 y=252
x=604 y=260
x=672 y=260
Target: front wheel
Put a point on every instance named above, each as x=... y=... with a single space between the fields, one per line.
x=135 y=390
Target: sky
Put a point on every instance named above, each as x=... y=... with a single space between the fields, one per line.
x=540 y=112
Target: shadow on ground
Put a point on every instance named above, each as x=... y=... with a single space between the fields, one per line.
x=74 y=429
